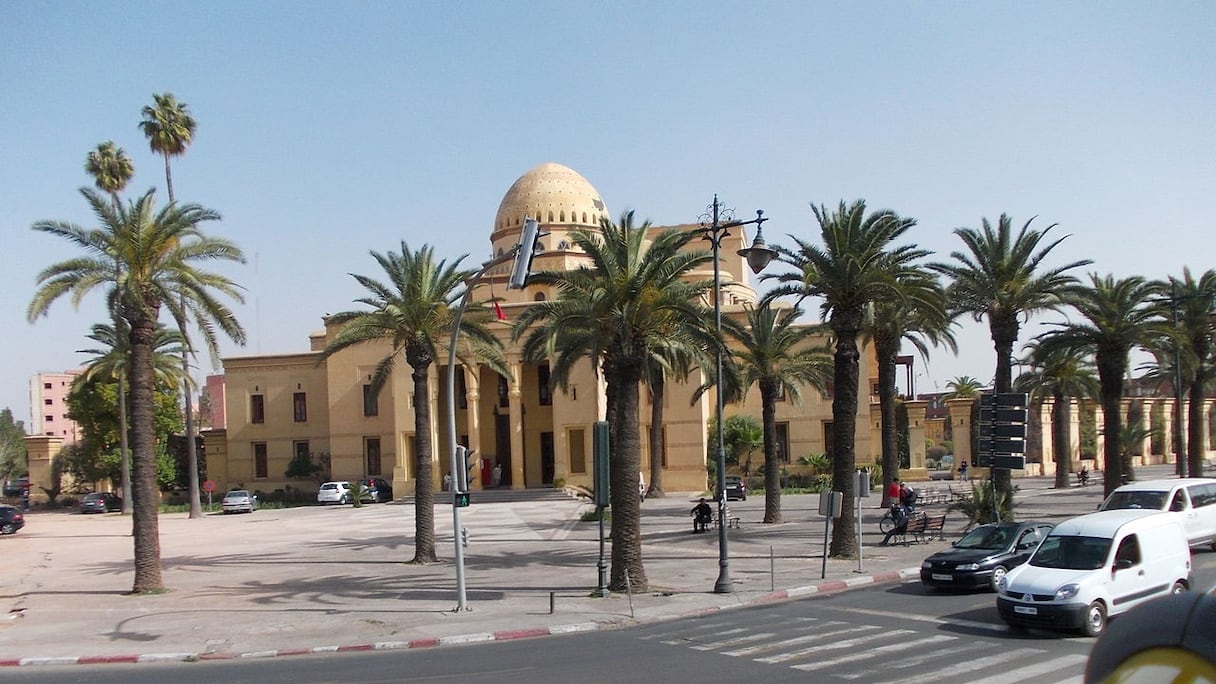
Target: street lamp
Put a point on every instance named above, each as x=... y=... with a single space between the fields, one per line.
x=716 y=223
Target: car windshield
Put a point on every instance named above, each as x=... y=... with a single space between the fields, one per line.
x=986 y=538
x=1071 y=552
x=92 y=497
x=238 y=494
x=1153 y=501
x=330 y=485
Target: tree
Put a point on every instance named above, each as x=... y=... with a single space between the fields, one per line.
x=1002 y=277
x=916 y=314
x=1112 y=320
x=776 y=354
x=614 y=311
x=1194 y=301
x=742 y=436
x=146 y=260
x=964 y=387
x=12 y=446
x=856 y=265
x=92 y=405
x=169 y=128
x=414 y=313
x=1061 y=374
x=111 y=170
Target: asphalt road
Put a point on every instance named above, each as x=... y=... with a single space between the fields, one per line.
x=895 y=633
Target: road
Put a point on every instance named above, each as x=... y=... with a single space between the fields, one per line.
x=894 y=633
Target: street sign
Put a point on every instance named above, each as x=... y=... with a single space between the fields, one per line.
x=1006 y=431
x=1007 y=446
x=1010 y=461
x=208 y=486
x=1010 y=414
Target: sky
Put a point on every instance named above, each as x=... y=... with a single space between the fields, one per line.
x=328 y=130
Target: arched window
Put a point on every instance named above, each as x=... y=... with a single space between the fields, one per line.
x=550 y=217
x=584 y=217
x=563 y=245
x=540 y=297
x=562 y=217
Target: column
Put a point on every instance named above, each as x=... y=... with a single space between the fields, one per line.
x=472 y=417
x=916 y=434
x=517 y=428
x=960 y=425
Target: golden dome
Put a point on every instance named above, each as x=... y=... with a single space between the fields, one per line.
x=554 y=195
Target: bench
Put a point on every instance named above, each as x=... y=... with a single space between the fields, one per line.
x=928 y=528
x=931 y=496
x=731 y=520
x=959 y=494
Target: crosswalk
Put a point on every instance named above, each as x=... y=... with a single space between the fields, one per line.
x=863 y=652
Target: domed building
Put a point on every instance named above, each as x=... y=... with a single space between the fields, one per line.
x=282 y=407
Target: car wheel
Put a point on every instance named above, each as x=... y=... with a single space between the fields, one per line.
x=1178 y=588
x=997 y=573
x=1095 y=619
x=343 y=501
x=8 y=528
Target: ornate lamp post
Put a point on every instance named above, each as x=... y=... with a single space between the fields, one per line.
x=716 y=223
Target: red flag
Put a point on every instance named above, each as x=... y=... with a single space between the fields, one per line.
x=498 y=312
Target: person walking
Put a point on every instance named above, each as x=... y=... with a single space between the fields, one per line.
x=962 y=471
x=496 y=476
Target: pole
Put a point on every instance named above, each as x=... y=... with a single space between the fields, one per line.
x=827 y=528
x=461 y=600
x=723 y=584
x=1180 y=456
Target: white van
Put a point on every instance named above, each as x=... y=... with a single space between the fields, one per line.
x=1096 y=566
x=1191 y=500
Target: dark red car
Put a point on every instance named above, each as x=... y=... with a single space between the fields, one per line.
x=11 y=519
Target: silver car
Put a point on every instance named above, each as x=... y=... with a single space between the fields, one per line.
x=240 y=501
x=334 y=492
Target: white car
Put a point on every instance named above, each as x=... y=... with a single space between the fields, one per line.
x=240 y=501
x=334 y=492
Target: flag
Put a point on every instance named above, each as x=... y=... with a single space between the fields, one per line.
x=498 y=312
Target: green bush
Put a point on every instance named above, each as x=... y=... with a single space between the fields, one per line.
x=979 y=507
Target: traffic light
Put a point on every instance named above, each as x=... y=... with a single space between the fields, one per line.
x=462 y=499
x=466 y=461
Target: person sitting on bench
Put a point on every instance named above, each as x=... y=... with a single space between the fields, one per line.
x=702 y=516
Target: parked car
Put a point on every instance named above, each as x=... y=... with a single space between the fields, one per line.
x=735 y=488
x=334 y=492
x=982 y=557
x=16 y=487
x=240 y=500
x=11 y=519
x=100 y=502
x=1094 y=567
x=1192 y=500
x=376 y=490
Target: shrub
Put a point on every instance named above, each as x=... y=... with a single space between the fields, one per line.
x=979 y=506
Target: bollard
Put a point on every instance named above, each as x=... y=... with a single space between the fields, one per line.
x=552 y=602
x=772 y=571
x=629 y=593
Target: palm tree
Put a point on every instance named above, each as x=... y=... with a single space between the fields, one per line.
x=779 y=356
x=1002 y=277
x=1194 y=300
x=1061 y=374
x=413 y=311
x=1114 y=319
x=856 y=265
x=964 y=387
x=614 y=311
x=146 y=258
x=111 y=170
x=170 y=128
x=916 y=314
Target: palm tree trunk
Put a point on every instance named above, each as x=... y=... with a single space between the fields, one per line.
x=125 y=459
x=844 y=427
x=1196 y=426
x=1110 y=379
x=658 y=388
x=145 y=524
x=196 y=505
x=886 y=409
x=1061 y=438
x=424 y=487
x=772 y=465
x=626 y=510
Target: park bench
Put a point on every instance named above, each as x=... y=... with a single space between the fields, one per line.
x=731 y=520
x=931 y=496
x=928 y=528
x=959 y=494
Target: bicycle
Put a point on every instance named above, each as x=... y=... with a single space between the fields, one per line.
x=887 y=523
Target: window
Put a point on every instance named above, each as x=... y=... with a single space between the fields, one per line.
x=1129 y=550
x=50 y=419
x=1179 y=502
x=462 y=392
x=578 y=452
x=261 y=469
x=299 y=405
x=48 y=402
x=371 y=403
x=257 y=408
x=301 y=449
x=46 y=385
x=783 y=442
x=503 y=389
x=544 y=393
x=371 y=451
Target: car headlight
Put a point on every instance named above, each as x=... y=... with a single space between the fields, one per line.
x=1067 y=591
x=1002 y=585
x=968 y=566
x=926 y=565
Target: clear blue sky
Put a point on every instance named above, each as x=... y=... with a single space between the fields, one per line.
x=326 y=130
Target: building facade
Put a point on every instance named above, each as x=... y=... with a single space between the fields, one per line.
x=49 y=406
x=278 y=406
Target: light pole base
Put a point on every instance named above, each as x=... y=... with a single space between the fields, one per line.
x=723 y=585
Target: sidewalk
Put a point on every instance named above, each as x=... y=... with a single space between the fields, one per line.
x=280 y=582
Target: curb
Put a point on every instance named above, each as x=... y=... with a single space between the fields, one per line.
x=823 y=587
